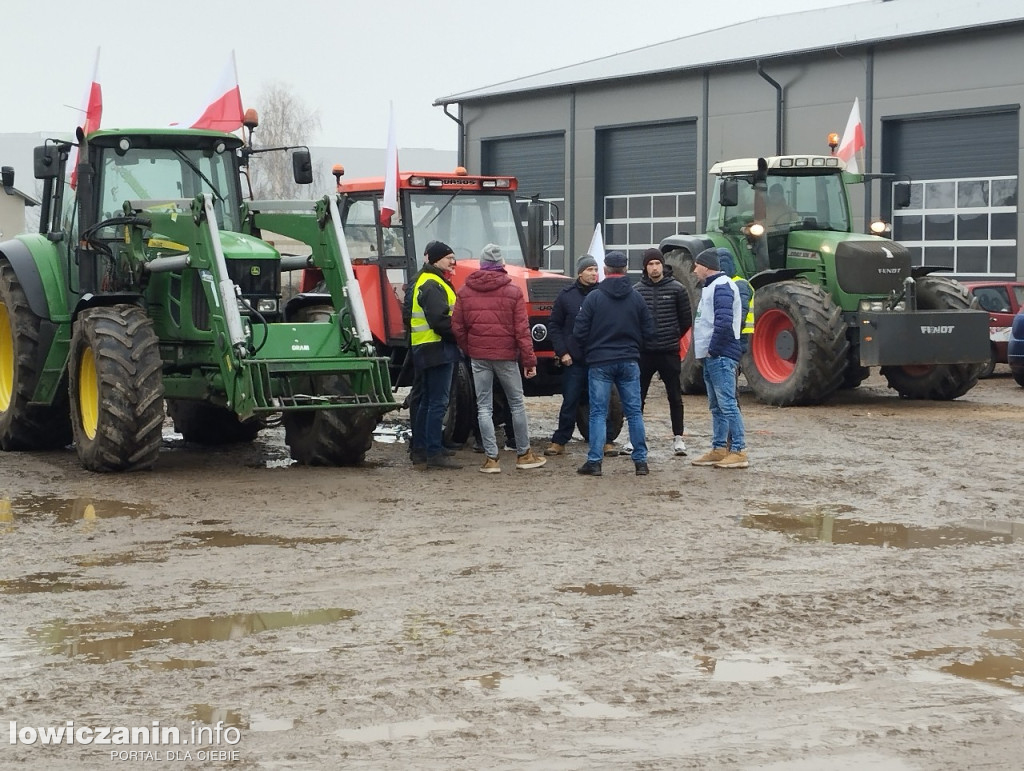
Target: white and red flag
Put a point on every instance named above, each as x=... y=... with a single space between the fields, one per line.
x=92 y=110
x=389 y=203
x=224 y=107
x=853 y=139
x=596 y=250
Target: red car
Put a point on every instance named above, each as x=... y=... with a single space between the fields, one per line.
x=1002 y=300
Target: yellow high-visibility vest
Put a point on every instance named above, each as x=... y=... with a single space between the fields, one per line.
x=421 y=331
x=748 y=317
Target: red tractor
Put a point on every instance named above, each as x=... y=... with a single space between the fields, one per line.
x=466 y=212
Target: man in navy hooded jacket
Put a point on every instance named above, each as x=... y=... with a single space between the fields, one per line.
x=611 y=327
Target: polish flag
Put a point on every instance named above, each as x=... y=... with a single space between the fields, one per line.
x=224 y=110
x=389 y=203
x=853 y=139
x=596 y=250
x=92 y=109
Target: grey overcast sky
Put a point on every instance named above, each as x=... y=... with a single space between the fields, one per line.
x=159 y=62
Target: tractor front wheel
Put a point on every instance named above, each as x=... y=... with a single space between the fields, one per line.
x=116 y=389
x=940 y=381
x=798 y=352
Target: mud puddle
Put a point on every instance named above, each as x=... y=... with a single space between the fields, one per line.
x=103 y=642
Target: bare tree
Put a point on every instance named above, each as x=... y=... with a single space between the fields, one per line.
x=284 y=120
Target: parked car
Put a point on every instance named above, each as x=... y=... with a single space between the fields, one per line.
x=1015 y=348
x=1002 y=300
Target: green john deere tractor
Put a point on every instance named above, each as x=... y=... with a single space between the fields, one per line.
x=829 y=303
x=152 y=284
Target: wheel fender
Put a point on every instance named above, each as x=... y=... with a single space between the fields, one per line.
x=30 y=266
x=693 y=244
x=773 y=276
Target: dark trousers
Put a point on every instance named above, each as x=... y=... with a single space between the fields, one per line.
x=433 y=404
x=574 y=385
x=668 y=366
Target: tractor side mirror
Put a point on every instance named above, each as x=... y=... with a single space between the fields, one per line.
x=45 y=160
x=534 y=235
x=7 y=177
x=900 y=195
x=728 y=193
x=302 y=167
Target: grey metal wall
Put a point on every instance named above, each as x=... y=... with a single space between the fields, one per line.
x=735 y=109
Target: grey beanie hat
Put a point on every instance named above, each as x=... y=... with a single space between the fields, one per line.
x=709 y=259
x=492 y=253
x=583 y=262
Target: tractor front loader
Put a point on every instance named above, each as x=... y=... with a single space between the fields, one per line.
x=156 y=286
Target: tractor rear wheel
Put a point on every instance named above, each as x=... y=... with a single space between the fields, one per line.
x=338 y=436
x=798 y=352
x=939 y=381
x=208 y=424
x=24 y=427
x=460 y=417
x=691 y=378
x=116 y=389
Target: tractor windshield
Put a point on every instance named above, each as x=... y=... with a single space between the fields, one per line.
x=155 y=179
x=791 y=202
x=467 y=222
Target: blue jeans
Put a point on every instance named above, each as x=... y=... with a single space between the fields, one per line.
x=726 y=420
x=574 y=382
x=507 y=372
x=427 y=432
x=625 y=375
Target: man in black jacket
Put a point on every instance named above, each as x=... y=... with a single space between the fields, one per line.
x=670 y=306
x=568 y=350
x=611 y=327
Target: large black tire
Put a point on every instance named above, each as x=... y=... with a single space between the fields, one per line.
x=990 y=366
x=208 y=424
x=24 y=427
x=460 y=418
x=691 y=376
x=329 y=437
x=1018 y=375
x=798 y=352
x=116 y=389
x=613 y=425
x=941 y=381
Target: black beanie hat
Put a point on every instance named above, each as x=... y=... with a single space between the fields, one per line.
x=709 y=259
x=437 y=250
x=653 y=254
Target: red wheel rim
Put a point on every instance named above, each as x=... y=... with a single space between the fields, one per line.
x=770 y=364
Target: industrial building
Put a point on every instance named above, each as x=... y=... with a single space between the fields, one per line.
x=627 y=140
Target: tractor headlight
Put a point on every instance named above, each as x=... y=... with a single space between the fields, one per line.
x=267 y=305
x=539 y=333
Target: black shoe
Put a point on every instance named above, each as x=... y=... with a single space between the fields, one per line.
x=641 y=469
x=418 y=456
x=442 y=461
x=590 y=468
x=449 y=451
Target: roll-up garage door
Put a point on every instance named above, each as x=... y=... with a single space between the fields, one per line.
x=538 y=162
x=647 y=181
x=964 y=189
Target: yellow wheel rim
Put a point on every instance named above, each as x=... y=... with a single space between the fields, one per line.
x=6 y=359
x=88 y=393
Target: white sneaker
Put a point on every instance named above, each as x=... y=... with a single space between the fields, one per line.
x=679 y=446
x=627 y=448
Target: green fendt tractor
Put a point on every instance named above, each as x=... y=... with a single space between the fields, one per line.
x=152 y=283
x=829 y=303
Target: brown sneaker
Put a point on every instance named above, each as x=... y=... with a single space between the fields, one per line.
x=529 y=460
x=610 y=450
x=491 y=466
x=710 y=458
x=555 y=449
x=735 y=459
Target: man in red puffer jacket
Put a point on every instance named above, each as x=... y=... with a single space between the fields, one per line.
x=492 y=328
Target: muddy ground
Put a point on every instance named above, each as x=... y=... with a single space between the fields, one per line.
x=851 y=601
